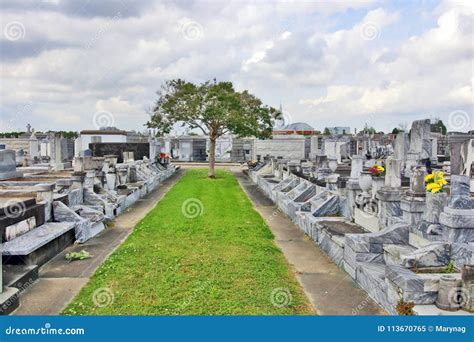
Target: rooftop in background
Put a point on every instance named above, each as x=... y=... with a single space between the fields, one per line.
x=338 y=130
x=104 y=131
x=300 y=128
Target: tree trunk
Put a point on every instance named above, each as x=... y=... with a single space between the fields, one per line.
x=212 y=158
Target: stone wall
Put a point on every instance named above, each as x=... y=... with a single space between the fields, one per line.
x=289 y=147
x=139 y=150
x=241 y=150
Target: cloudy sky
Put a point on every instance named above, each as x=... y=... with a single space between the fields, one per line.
x=71 y=64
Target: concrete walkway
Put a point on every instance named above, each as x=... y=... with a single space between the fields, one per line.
x=330 y=290
x=60 y=281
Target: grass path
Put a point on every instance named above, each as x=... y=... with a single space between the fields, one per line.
x=223 y=261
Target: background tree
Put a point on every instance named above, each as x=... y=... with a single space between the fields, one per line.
x=213 y=108
x=438 y=126
x=369 y=130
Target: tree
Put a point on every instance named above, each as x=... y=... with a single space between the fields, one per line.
x=327 y=131
x=213 y=108
x=369 y=130
x=439 y=127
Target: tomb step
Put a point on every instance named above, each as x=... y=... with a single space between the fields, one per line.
x=433 y=310
x=19 y=276
x=392 y=254
x=9 y=300
x=16 y=210
x=39 y=245
x=371 y=277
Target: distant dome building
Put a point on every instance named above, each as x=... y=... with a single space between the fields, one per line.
x=300 y=128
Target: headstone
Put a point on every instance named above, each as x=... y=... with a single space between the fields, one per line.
x=389 y=197
x=455 y=142
x=458 y=215
x=315 y=149
x=417 y=182
x=8 y=164
x=393 y=170
x=413 y=204
x=467 y=161
x=321 y=161
x=401 y=146
x=128 y=157
x=57 y=148
x=434 y=149
x=357 y=165
x=460 y=193
x=420 y=142
x=33 y=150
x=77 y=147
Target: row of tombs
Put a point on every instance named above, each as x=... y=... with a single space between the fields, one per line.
x=43 y=211
x=401 y=244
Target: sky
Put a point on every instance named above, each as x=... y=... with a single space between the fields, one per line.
x=73 y=65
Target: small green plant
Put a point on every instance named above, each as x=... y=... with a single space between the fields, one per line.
x=334 y=215
x=415 y=267
x=450 y=268
x=405 y=308
x=78 y=255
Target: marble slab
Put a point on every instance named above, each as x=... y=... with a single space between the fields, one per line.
x=36 y=238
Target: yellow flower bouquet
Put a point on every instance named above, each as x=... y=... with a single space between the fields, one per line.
x=435 y=182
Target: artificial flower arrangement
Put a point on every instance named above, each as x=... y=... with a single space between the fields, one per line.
x=435 y=182
x=377 y=170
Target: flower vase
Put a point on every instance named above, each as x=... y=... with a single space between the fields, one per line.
x=377 y=183
x=365 y=182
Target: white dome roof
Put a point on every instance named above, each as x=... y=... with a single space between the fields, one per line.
x=298 y=126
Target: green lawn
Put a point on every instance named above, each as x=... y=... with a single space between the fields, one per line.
x=222 y=262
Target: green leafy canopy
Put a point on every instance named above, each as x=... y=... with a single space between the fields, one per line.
x=214 y=108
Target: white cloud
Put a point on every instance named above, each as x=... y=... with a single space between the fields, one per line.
x=290 y=51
